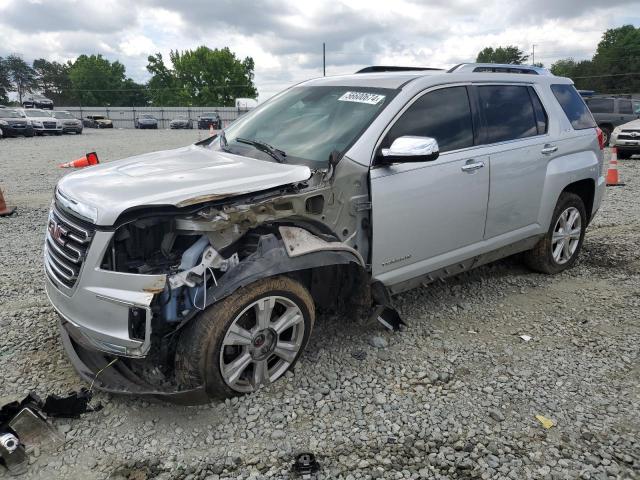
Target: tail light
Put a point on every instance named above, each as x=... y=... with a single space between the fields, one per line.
x=600 y=138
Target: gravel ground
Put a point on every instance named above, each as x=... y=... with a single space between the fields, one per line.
x=455 y=395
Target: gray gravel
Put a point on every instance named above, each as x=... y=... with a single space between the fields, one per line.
x=455 y=395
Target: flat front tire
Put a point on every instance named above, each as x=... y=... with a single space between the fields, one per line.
x=247 y=340
x=561 y=245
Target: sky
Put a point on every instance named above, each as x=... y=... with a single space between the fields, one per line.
x=285 y=37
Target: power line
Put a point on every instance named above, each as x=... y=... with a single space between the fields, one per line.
x=610 y=75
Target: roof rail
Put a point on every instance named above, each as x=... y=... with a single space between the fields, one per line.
x=393 y=68
x=499 y=68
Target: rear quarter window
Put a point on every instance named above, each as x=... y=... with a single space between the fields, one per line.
x=573 y=106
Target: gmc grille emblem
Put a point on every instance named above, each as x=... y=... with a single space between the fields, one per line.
x=56 y=232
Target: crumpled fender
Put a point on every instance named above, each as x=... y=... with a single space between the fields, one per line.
x=297 y=250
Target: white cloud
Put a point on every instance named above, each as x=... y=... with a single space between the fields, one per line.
x=285 y=37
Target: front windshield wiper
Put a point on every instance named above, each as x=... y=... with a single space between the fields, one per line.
x=274 y=152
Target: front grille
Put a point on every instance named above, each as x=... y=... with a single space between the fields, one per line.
x=66 y=245
x=627 y=136
x=49 y=124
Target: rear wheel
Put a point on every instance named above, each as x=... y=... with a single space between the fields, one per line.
x=606 y=133
x=247 y=340
x=559 y=248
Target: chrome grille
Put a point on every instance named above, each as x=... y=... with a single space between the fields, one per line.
x=49 y=124
x=66 y=245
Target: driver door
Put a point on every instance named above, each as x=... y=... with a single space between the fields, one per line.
x=429 y=215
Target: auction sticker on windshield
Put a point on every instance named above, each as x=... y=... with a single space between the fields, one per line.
x=362 y=97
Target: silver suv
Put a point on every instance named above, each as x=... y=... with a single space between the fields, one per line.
x=198 y=272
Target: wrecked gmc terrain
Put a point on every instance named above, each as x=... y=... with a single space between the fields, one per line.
x=197 y=273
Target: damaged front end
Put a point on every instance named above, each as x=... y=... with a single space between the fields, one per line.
x=139 y=284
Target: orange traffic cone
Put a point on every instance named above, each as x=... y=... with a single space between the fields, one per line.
x=612 y=173
x=4 y=209
x=211 y=129
x=86 y=161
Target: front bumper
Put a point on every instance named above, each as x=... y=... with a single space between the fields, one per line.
x=104 y=125
x=15 y=131
x=117 y=378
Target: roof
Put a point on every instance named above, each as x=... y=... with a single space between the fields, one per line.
x=396 y=77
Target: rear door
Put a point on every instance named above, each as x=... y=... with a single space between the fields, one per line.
x=514 y=132
x=428 y=215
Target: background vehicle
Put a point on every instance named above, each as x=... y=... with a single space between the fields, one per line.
x=41 y=120
x=70 y=124
x=181 y=121
x=208 y=119
x=145 y=121
x=609 y=112
x=38 y=101
x=97 y=121
x=210 y=260
x=14 y=125
x=626 y=138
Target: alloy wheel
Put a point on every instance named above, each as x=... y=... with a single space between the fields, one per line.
x=261 y=343
x=566 y=235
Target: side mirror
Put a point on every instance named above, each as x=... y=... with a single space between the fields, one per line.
x=410 y=149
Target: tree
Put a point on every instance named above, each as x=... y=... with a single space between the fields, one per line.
x=5 y=84
x=509 y=54
x=96 y=81
x=201 y=77
x=614 y=67
x=53 y=80
x=21 y=76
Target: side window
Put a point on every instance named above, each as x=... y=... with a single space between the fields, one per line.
x=508 y=113
x=542 y=120
x=600 y=105
x=636 y=108
x=573 y=106
x=443 y=114
x=624 y=106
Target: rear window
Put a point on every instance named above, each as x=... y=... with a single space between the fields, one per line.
x=573 y=106
x=508 y=113
x=600 y=105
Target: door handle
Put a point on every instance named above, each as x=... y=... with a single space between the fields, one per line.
x=549 y=149
x=472 y=166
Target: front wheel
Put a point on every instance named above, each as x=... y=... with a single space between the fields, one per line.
x=247 y=340
x=559 y=248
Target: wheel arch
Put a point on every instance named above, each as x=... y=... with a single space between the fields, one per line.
x=585 y=189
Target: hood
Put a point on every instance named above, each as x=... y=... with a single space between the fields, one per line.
x=102 y=120
x=180 y=177
x=632 y=125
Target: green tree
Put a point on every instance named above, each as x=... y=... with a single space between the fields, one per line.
x=5 y=84
x=509 y=54
x=201 y=77
x=133 y=94
x=96 y=81
x=21 y=76
x=614 y=67
x=53 y=80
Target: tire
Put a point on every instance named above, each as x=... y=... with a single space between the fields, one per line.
x=201 y=352
x=541 y=258
x=606 y=131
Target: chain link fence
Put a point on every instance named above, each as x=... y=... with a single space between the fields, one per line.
x=123 y=117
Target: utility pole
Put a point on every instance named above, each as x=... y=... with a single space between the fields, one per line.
x=533 y=54
x=324 y=64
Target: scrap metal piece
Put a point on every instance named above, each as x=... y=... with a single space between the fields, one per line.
x=306 y=466
x=71 y=406
x=12 y=454
x=33 y=430
x=388 y=317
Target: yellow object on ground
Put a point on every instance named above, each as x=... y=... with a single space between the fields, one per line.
x=546 y=422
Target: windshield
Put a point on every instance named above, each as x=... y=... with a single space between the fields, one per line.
x=97 y=117
x=62 y=115
x=146 y=116
x=4 y=113
x=209 y=114
x=309 y=123
x=36 y=113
